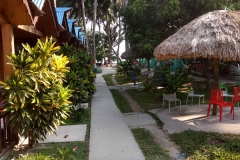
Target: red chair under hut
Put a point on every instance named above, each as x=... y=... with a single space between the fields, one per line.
x=216 y=98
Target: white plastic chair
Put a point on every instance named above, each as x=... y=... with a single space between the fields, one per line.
x=199 y=96
x=171 y=98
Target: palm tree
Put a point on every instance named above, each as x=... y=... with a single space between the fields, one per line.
x=84 y=23
x=105 y=14
x=94 y=24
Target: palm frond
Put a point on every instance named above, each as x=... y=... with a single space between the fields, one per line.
x=234 y=72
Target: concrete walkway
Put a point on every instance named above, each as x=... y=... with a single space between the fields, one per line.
x=192 y=118
x=110 y=136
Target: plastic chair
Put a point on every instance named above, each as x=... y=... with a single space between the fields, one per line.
x=171 y=98
x=236 y=95
x=223 y=87
x=199 y=96
x=216 y=97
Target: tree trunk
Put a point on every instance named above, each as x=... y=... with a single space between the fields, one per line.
x=206 y=73
x=102 y=40
x=94 y=29
x=107 y=29
x=216 y=80
x=109 y=33
x=30 y=139
x=84 y=23
x=119 y=32
x=148 y=63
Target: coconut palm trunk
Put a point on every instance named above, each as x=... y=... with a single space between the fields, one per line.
x=148 y=63
x=94 y=29
x=84 y=23
x=102 y=40
x=119 y=32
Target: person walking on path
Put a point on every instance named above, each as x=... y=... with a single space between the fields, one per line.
x=133 y=72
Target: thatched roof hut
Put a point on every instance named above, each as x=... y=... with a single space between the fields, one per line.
x=213 y=35
x=127 y=54
x=130 y=54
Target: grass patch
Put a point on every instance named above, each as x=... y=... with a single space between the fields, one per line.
x=199 y=145
x=122 y=79
x=108 y=79
x=80 y=116
x=149 y=147
x=159 y=122
x=147 y=100
x=121 y=101
x=55 y=151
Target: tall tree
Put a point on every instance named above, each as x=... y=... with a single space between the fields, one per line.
x=81 y=5
x=94 y=25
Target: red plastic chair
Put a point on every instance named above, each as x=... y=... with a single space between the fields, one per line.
x=216 y=97
x=236 y=95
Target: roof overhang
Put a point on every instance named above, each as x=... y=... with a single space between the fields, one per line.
x=15 y=12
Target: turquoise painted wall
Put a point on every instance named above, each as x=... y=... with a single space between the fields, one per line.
x=176 y=63
x=153 y=63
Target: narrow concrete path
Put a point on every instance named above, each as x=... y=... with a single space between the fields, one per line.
x=110 y=136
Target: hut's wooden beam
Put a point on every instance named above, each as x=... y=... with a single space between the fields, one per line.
x=3 y=19
x=35 y=31
x=8 y=48
x=30 y=29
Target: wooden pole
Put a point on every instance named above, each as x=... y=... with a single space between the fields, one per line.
x=216 y=80
x=8 y=49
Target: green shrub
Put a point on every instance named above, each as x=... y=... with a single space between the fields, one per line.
x=80 y=115
x=81 y=76
x=66 y=153
x=172 y=82
x=125 y=67
x=37 y=99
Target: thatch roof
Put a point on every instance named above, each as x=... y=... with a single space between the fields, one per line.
x=130 y=54
x=213 y=35
x=127 y=54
